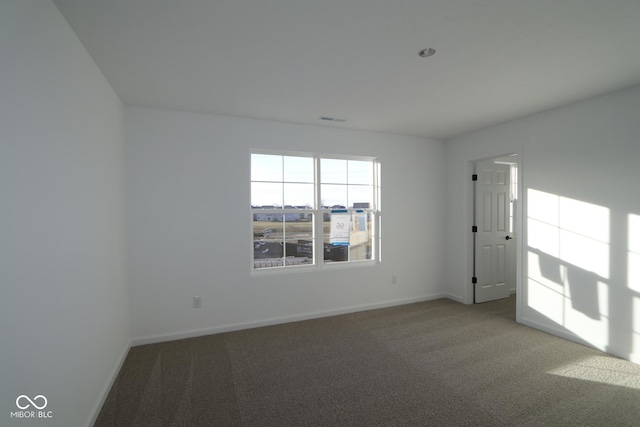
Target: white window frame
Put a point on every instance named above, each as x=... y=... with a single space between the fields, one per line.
x=318 y=218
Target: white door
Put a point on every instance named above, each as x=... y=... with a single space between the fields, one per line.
x=492 y=239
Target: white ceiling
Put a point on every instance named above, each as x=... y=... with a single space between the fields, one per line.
x=297 y=60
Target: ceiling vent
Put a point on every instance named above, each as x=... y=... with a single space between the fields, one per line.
x=332 y=119
x=425 y=53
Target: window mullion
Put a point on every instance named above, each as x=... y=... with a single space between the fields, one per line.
x=318 y=216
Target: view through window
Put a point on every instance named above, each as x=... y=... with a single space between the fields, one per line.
x=312 y=210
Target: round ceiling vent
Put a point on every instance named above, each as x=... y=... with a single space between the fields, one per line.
x=425 y=53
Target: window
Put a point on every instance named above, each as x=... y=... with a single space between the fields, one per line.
x=311 y=210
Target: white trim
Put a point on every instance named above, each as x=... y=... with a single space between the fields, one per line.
x=455 y=298
x=469 y=170
x=306 y=268
x=564 y=334
x=560 y=334
x=97 y=407
x=318 y=212
x=152 y=339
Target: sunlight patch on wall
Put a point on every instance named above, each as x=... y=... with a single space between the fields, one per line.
x=633 y=275
x=553 y=298
x=543 y=206
x=635 y=340
x=546 y=301
x=584 y=218
x=568 y=263
x=546 y=273
x=602 y=369
x=584 y=235
x=589 y=324
x=543 y=222
x=574 y=231
x=544 y=236
x=633 y=263
x=584 y=252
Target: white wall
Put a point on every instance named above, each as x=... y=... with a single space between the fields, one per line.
x=188 y=198
x=581 y=242
x=64 y=314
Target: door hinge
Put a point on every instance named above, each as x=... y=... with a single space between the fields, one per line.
x=474 y=177
x=474 y=229
x=474 y=280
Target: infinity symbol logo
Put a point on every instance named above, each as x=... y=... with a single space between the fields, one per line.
x=31 y=402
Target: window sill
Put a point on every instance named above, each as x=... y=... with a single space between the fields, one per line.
x=260 y=272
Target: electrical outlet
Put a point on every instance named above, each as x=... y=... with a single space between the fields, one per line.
x=394 y=280
x=197 y=302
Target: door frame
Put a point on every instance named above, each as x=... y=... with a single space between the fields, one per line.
x=519 y=228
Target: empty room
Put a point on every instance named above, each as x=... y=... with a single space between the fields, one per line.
x=337 y=212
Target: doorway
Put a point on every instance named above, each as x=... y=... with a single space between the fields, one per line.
x=494 y=229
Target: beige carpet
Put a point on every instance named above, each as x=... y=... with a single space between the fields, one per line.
x=436 y=363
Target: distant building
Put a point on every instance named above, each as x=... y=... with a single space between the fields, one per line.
x=279 y=217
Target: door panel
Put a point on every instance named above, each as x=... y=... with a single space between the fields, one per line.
x=502 y=212
x=492 y=244
x=501 y=259
x=487 y=201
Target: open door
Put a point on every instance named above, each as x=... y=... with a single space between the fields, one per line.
x=492 y=232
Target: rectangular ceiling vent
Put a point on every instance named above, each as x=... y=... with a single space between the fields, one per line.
x=332 y=119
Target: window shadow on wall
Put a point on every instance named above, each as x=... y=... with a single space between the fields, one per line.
x=582 y=270
x=579 y=286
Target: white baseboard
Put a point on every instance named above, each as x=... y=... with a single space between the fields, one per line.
x=556 y=332
x=152 y=339
x=97 y=407
x=604 y=347
x=455 y=298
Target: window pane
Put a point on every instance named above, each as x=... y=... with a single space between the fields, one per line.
x=268 y=226
x=268 y=247
x=333 y=171
x=266 y=195
x=361 y=196
x=299 y=195
x=360 y=172
x=281 y=239
x=360 y=247
x=331 y=253
x=333 y=195
x=266 y=167
x=298 y=169
x=298 y=226
x=299 y=253
x=299 y=239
